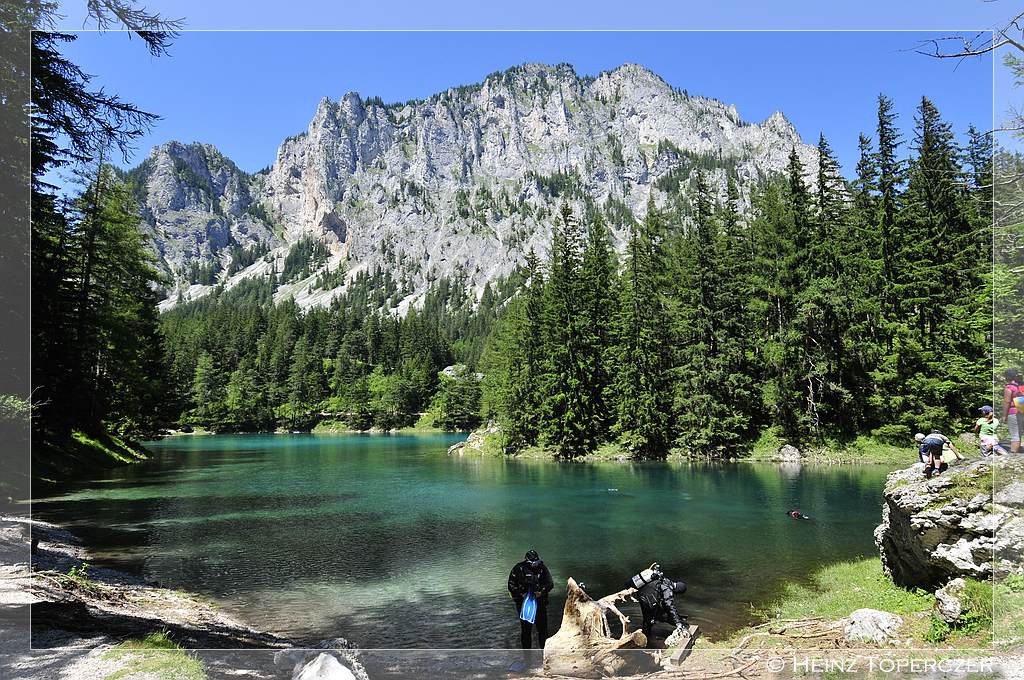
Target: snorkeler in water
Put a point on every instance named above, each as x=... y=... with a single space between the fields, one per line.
x=796 y=514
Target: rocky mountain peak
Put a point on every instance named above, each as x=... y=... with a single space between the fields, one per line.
x=459 y=185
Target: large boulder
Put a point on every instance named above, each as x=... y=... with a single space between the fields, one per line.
x=948 y=605
x=789 y=454
x=938 y=529
x=323 y=667
x=331 y=659
x=872 y=625
x=473 y=444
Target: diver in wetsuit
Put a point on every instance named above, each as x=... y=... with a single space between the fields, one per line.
x=531 y=576
x=656 y=603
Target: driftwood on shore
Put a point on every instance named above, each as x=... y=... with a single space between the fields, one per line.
x=584 y=646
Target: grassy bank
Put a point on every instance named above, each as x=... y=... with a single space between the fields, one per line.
x=340 y=427
x=837 y=590
x=863 y=450
x=56 y=458
x=155 y=655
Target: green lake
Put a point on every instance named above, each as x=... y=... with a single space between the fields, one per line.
x=391 y=543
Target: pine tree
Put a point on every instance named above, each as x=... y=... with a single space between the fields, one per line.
x=704 y=334
x=597 y=304
x=527 y=368
x=568 y=408
x=890 y=178
x=943 y=288
x=208 y=392
x=642 y=380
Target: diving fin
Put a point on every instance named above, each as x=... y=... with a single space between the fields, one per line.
x=529 y=611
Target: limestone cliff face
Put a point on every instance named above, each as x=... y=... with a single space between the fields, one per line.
x=462 y=184
x=952 y=525
x=196 y=205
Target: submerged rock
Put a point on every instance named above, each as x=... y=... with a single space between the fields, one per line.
x=872 y=625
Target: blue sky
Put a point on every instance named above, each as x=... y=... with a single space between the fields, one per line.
x=940 y=15
x=245 y=91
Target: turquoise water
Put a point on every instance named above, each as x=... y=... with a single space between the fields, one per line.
x=386 y=540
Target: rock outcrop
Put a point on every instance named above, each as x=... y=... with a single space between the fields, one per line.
x=474 y=443
x=461 y=185
x=197 y=209
x=949 y=526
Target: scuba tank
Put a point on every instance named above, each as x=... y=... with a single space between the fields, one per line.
x=646 y=576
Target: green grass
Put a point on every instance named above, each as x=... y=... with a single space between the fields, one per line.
x=965 y=486
x=835 y=591
x=331 y=425
x=863 y=449
x=838 y=589
x=156 y=655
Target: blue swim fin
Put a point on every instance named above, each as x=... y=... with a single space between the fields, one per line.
x=529 y=611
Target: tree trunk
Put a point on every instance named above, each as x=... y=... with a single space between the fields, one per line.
x=584 y=647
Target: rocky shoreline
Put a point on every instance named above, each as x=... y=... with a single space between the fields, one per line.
x=80 y=614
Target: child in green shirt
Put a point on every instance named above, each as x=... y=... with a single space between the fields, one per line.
x=985 y=428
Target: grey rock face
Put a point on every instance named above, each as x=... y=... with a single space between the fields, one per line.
x=196 y=205
x=460 y=185
x=938 y=529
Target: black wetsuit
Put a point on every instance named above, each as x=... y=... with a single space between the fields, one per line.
x=534 y=577
x=656 y=604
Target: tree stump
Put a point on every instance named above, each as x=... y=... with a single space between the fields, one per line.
x=584 y=647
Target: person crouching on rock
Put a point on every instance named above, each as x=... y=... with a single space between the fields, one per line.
x=656 y=603
x=531 y=576
x=930 y=449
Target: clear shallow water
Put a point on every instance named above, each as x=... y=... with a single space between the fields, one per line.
x=389 y=542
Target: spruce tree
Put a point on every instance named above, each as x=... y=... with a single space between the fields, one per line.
x=705 y=334
x=642 y=382
x=597 y=309
x=568 y=407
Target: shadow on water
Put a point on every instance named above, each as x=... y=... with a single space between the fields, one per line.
x=389 y=542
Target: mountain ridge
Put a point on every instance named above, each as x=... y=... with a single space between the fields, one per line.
x=461 y=184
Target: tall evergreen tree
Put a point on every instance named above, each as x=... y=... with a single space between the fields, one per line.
x=704 y=333
x=642 y=382
x=569 y=408
x=598 y=288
